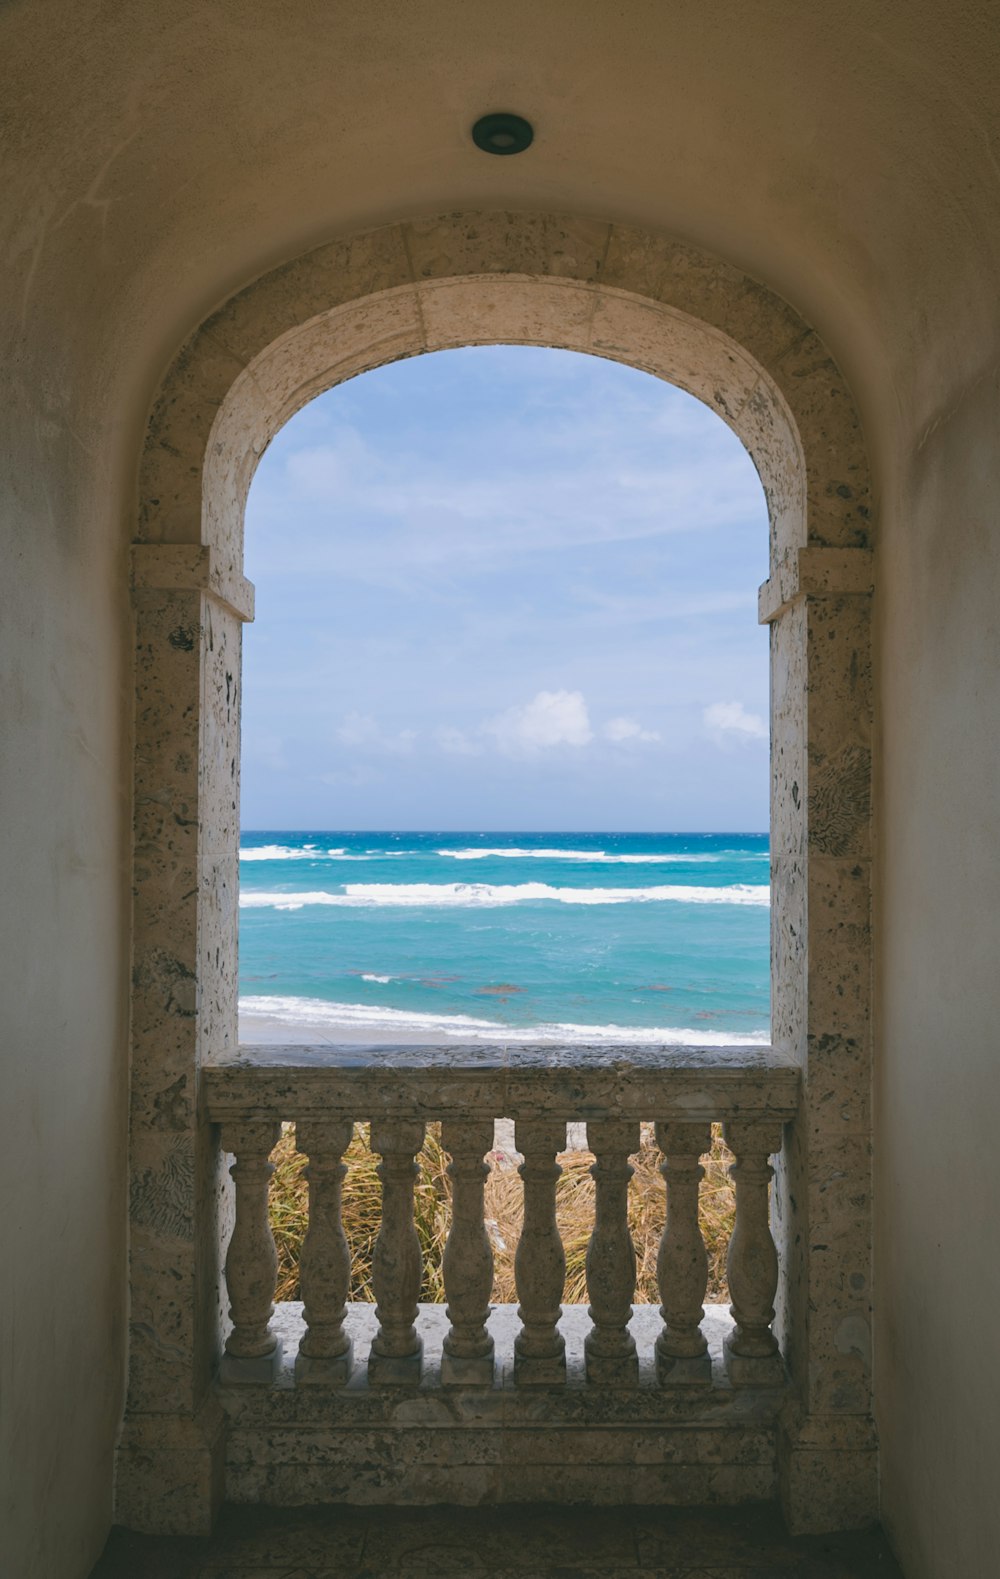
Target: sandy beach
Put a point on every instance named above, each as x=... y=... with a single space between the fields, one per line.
x=260 y=1030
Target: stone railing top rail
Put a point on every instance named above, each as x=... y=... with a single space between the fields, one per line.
x=543 y=1080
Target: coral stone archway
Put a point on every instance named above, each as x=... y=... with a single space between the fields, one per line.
x=425 y=285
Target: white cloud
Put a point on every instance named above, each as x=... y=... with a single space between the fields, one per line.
x=456 y=742
x=551 y=718
x=570 y=469
x=442 y=538
x=360 y=731
x=622 y=729
x=729 y=722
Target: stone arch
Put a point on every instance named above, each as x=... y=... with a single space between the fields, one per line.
x=354 y=304
x=519 y=279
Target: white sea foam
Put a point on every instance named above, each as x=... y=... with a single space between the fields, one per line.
x=303 y=1013
x=367 y=976
x=311 y=852
x=547 y=855
x=272 y=852
x=317 y=1012
x=284 y=852
x=583 y=855
x=489 y=895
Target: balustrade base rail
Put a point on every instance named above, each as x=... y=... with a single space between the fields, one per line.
x=290 y=1445
x=466 y=1403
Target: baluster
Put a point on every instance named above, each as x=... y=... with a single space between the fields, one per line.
x=540 y=1262
x=468 y=1259
x=253 y=1351
x=397 y=1266
x=682 y=1265
x=325 y=1352
x=610 y=1347
x=752 y=1357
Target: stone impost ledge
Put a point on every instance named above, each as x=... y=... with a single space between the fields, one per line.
x=817 y=573
x=191 y=567
x=695 y=1084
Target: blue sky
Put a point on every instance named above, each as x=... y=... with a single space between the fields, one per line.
x=506 y=588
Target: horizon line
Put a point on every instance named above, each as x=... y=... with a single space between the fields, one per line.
x=741 y=833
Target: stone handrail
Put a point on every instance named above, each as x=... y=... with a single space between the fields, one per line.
x=325 y=1090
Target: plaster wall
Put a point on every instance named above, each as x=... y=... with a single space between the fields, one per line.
x=938 y=1074
x=845 y=154
x=64 y=976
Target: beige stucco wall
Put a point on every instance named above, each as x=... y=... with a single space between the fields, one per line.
x=938 y=1081
x=845 y=154
x=63 y=904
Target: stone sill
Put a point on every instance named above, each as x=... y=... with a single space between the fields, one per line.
x=494 y=1081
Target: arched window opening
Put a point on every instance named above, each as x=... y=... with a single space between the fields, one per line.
x=505 y=768
x=203 y=1106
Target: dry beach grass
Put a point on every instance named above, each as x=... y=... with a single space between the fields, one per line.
x=574 y=1204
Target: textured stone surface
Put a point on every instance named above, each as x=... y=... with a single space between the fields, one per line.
x=325 y=1261
x=365 y=1443
x=682 y=1356
x=845 y=154
x=185 y=886
x=610 y=1348
x=819 y=606
x=684 y=316
x=499 y=1543
x=487 y=277
x=569 y=1083
x=468 y=1258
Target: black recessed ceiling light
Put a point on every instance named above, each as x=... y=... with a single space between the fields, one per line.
x=503 y=134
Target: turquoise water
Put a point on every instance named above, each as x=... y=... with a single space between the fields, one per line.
x=638 y=936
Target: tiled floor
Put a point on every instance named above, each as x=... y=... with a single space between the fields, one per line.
x=498 y=1543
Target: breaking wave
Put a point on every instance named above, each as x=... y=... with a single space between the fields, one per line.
x=490 y=895
x=580 y=855
x=285 y=852
x=316 y=1013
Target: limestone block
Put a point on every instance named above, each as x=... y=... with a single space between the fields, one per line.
x=170 y=1473
x=484 y=312
x=656 y=337
x=551 y=246
x=259 y=1370
x=666 y=270
x=828 y=1476
x=840 y=947
x=484 y=1080
x=335 y=346
x=343 y=271
x=837 y=476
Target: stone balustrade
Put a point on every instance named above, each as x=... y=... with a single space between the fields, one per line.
x=326 y=1090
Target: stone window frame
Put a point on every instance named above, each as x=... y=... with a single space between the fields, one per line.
x=357 y=303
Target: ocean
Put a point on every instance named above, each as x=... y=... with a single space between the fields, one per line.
x=508 y=937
